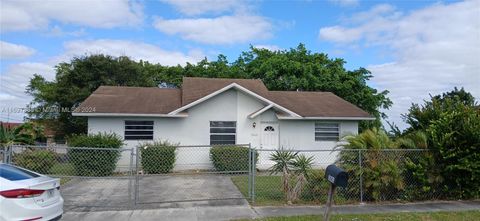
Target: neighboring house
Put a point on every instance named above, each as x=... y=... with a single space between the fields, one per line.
x=10 y=125
x=208 y=111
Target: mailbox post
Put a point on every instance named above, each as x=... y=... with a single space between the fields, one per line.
x=336 y=177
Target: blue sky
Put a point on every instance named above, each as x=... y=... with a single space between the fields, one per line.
x=413 y=48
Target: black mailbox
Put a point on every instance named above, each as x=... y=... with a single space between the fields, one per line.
x=336 y=176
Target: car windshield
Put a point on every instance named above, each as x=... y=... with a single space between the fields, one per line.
x=14 y=173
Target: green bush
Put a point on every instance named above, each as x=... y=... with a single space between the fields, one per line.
x=317 y=187
x=91 y=160
x=40 y=161
x=230 y=158
x=158 y=157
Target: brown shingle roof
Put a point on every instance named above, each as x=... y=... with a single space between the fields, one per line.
x=195 y=88
x=139 y=100
x=142 y=100
x=316 y=104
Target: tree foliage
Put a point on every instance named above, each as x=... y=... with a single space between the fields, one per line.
x=294 y=69
x=26 y=133
x=451 y=122
x=382 y=172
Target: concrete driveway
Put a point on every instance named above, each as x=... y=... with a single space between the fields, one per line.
x=165 y=191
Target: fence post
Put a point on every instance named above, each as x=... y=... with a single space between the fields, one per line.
x=249 y=170
x=361 y=174
x=254 y=170
x=7 y=154
x=137 y=157
x=131 y=177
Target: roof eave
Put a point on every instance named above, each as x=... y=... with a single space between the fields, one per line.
x=79 y=114
x=325 y=118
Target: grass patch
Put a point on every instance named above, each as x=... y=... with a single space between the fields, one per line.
x=62 y=169
x=268 y=191
x=419 y=216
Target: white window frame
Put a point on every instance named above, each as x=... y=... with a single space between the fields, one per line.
x=138 y=124
x=217 y=133
x=335 y=134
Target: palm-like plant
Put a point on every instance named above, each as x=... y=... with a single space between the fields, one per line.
x=283 y=162
x=382 y=171
x=23 y=134
x=302 y=166
x=293 y=166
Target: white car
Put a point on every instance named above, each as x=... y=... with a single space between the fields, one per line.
x=26 y=195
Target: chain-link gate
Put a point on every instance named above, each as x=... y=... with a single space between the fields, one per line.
x=176 y=174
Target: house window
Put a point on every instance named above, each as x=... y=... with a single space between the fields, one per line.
x=327 y=131
x=138 y=130
x=223 y=132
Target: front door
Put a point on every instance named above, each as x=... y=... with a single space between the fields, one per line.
x=269 y=136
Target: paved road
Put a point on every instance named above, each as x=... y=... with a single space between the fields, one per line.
x=217 y=213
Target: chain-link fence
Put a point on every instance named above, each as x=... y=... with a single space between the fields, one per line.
x=374 y=176
x=89 y=177
x=160 y=174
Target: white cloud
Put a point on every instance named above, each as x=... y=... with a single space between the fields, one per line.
x=219 y=30
x=34 y=15
x=15 y=78
x=434 y=49
x=135 y=50
x=199 y=7
x=269 y=47
x=339 y=34
x=14 y=51
x=345 y=3
x=13 y=83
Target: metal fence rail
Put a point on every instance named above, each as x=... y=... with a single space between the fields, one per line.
x=141 y=176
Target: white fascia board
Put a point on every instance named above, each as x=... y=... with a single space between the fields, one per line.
x=126 y=115
x=230 y=86
x=325 y=118
x=256 y=113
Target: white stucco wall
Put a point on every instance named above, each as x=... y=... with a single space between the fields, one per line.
x=300 y=135
x=231 y=105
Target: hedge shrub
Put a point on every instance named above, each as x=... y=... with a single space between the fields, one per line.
x=317 y=187
x=94 y=162
x=40 y=161
x=158 y=157
x=230 y=158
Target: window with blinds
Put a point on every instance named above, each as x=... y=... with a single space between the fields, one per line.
x=138 y=130
x=327 y=131
x=223 y=132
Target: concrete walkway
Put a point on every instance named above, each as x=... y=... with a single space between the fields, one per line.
x=244 y=212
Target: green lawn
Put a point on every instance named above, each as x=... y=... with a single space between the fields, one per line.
x=268 y=191
x=62 y=169
x=431 y=216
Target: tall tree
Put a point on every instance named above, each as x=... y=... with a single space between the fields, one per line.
x=451 y=122
x=76 y=80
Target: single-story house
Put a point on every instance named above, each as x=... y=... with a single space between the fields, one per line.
x=207 y=111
